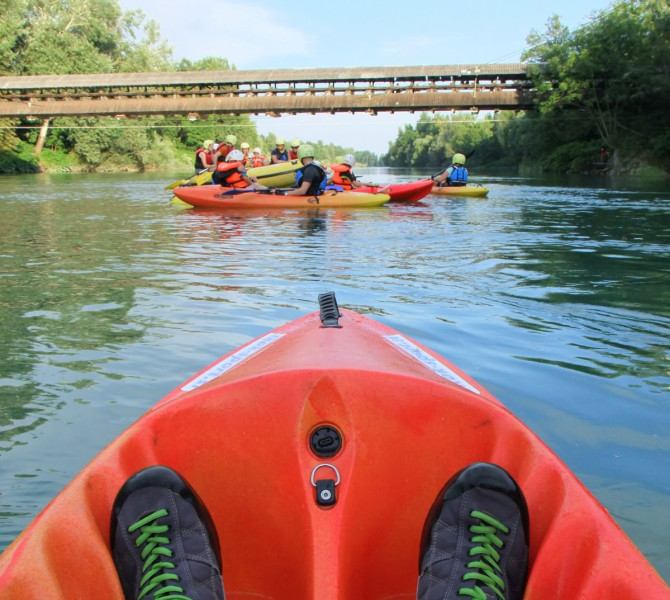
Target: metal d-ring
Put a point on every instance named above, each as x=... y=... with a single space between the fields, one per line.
x=333 y=467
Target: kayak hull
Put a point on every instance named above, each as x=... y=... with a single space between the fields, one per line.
x=402 y=192
x=472 y=191
x=276 y=175
x=216 y=196
x=241 y=433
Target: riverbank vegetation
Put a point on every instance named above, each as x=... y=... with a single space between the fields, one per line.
x=602 y=95
x=601 y=99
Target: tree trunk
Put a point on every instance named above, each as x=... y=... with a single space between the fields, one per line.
x=42 y=136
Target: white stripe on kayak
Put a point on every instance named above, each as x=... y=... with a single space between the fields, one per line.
x=429 y=362
x=232 y=361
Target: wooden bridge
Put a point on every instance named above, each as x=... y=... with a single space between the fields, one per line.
x=271 y=92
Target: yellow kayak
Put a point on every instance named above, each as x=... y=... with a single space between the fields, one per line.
x=472 y=191
x=277 y=175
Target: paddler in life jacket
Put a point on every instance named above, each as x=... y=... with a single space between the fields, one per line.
x=456 y=174
x=293 y=152
x=232 y=173
x=225 y=148
x=204 y=157
x=257 y=159
x=245 y=151
x=343 y=174
x=310 y=179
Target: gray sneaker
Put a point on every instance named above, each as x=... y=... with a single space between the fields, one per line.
x=163 y=540
x=475 y=540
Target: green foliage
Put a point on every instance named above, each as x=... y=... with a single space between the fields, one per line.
x=209 y=63
x=604 y=84
x=55 y=161
x=615 y=71
x=437 y=138
x=20 y=159
x=573 y=157
x=8 y=138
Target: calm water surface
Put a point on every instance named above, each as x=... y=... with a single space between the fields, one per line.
x=554 y=295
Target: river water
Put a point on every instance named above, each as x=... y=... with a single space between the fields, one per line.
x=555 y=295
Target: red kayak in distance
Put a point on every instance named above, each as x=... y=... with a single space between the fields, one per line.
x=401 y=192
x=334 y=401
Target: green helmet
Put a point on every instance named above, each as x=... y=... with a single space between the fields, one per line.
x=231 y=139
x=305 y=151
x=458 y=159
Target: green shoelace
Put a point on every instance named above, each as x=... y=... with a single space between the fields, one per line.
x=156 y=568
x=486 y=569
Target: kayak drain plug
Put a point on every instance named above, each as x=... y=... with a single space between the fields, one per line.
x=325 y=441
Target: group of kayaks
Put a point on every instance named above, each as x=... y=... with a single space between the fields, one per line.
x=198 y=191
x=339 y=402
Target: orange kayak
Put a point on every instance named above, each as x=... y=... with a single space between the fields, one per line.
x=216 y=196
x=403 y=192
x=382 y=417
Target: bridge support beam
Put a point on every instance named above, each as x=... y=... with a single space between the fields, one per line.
x=42 y=136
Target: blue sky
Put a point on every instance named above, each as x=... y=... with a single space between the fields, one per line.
x=289 y=35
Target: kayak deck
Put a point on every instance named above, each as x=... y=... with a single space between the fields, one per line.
x=241 y=432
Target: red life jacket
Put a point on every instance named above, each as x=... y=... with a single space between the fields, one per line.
x=258 y=161
x=229 y=174
x=209 y=159
x=293 y=154
x=338 y=171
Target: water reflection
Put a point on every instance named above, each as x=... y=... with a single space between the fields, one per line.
x=555 y=298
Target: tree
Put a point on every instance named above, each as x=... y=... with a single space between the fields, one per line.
x=616 y=70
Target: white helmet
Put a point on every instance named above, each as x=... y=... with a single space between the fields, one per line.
x=257 y=150
x=235 y=155
x=349 y=159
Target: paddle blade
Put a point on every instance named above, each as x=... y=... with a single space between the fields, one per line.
x=175 y=184
x=202 y=178
x=179 y=203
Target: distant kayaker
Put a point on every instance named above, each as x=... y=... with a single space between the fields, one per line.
x=475 y=539
x=279 y=153
x=233 y=173
x=343 y=174
x=455 y=175
x=204 y=157
x=257 y=159
x=293 y=152
x=244 y=146
x=311 y=178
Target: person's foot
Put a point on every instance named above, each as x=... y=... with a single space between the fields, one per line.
x=475 y=539
x=163 y=540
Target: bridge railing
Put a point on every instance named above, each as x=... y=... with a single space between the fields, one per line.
x=372 y=90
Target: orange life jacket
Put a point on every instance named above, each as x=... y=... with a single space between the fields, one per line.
x=229 y=175
x=338 y=171
x=258 y=161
